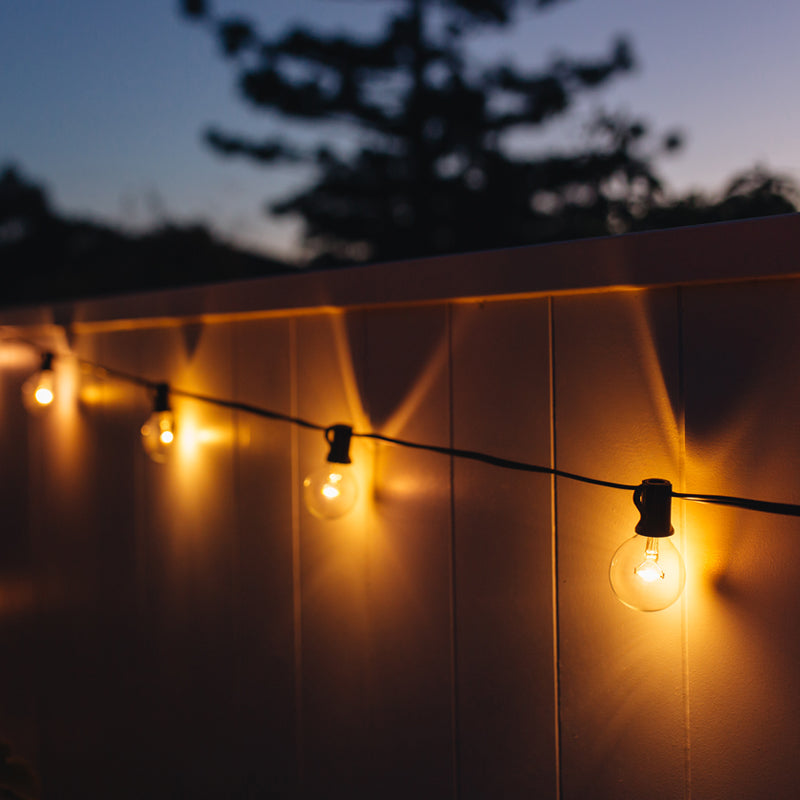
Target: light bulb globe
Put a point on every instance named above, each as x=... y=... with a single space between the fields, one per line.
x=330 y=491
x=158 y=435
x=38 y=392
x=647 y=573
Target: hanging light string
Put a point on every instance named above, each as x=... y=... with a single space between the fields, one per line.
x=764 y=506
x=761 y=506
x=496 y=461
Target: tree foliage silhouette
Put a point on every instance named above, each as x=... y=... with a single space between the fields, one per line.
x=755 y=192
x=45 y=256
x=430 y=170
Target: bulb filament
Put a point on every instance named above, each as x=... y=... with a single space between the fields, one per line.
x=43 y=396
x=649 y=570
x=329 y=489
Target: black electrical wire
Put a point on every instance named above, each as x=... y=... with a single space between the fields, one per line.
x=250 y=409
x=761 y=506
x=202 y=398
x=102 y=371
x=495 y=461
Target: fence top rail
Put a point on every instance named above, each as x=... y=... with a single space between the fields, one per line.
x=760 y=249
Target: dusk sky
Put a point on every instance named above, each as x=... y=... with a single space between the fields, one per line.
x=104 y=101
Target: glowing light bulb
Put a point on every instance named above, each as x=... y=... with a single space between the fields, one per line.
x=331 y=490
x=647 y=572
x=158 y=433
x=38 y=392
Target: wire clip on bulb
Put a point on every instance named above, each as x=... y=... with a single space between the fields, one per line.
x=647 y=572
x=158 y=433
x=330 y=491
x=38 y=392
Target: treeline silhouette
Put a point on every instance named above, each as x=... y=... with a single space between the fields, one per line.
x=45 y=256
x=427 y=167
x=412 y=157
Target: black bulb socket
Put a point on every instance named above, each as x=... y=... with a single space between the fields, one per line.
x=338 y=437
x=653 y=498
x=161 y=399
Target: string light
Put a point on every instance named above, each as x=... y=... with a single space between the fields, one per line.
x=158 y=432
x=647 y=572
x=38 y=392
x=762 y=506
x=331 y=490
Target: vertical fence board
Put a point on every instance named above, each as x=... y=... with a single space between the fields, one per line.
x=87 y=668
x=616 y=395
x=406 y=394
x=742 y=345
x=19 y=648
x=332 y=573
x=150 y=717
x=265 y=737
x=186 y=522
x=503 y=552
x=65 y=535
x=114 y=413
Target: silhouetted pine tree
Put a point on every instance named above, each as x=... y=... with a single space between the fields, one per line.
x=429 y=171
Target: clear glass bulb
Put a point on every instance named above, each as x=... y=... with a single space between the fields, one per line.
x=38 y=392
x=330 y=491
x=158 y=435
x=647 y=573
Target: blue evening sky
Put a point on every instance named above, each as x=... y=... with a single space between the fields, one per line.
x=103 y=101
